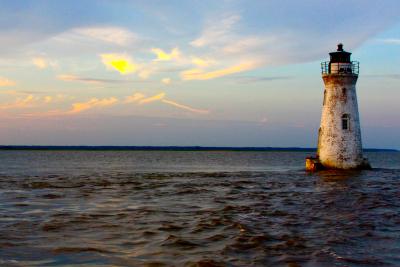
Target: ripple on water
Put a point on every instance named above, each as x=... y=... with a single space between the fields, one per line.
x=119 y=216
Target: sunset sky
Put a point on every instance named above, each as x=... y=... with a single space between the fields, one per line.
x=210 y=73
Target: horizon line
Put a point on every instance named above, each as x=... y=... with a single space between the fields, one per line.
x=170 y=148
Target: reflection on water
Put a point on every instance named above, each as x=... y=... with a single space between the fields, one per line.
x=194 y=209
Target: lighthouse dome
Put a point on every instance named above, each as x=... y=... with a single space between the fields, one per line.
x=340 y=56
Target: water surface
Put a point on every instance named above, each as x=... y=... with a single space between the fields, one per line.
x=202 y=208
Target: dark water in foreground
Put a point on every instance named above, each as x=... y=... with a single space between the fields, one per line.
x=138 y=208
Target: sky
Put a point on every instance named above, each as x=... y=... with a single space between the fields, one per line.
x=207 y=73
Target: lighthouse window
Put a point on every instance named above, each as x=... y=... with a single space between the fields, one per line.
x=345 y=121
x=344 y=94
x=324 y=98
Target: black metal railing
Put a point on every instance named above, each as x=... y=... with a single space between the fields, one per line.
x=340 y=68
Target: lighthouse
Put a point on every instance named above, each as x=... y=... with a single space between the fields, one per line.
x=339 y=135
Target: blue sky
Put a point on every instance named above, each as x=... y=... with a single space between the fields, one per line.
x=220 y=73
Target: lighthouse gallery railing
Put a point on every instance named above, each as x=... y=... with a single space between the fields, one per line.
x=340 y=68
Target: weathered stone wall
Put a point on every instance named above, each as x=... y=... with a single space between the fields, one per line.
x=337 y=147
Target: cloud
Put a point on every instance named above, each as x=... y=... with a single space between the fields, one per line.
x=263 y=121
x=143 y=99
x=92 y=103
x=391 y=41
x=164 y=56
x=30 y=100
x=161 y=97
x=152 y=98
x=39 y=62
x=6 y=82
x=125 y=65
x=185 y=107
x=199 y=74
x=134 y=98
x=390 y=76
x=119 y=62
x=69 y=78
x=75 y=78
x=166 y=81
x=254 y=79
x=202 y=62
x=240 y=44
x=25 y=102
x=114 y=35
x=216 y=30
x=273 y=41
x=11 y=92
x=48 y=99
x=56 y=99
x=43 y=63
x=145 y=73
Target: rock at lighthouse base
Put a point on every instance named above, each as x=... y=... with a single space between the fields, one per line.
x=313 y=164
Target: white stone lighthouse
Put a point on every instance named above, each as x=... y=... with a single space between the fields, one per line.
x=339 y=136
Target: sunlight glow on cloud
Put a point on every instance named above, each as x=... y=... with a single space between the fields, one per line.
x=202 y=62
x=164 y=56
x=92 y=103
x=199 y=74
x=39 y=62
x=43 y=63
x=166 y=81
x=119 y=62
x=6 y=82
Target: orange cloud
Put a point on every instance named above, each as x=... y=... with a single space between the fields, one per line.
x=6 y=82
x=134 y=98
x=199 y=74
x=152 y=98
x=166 y=81
x=30 y=101
x=43 y=63
x=177 y=105
x=25 y=102
x=92 y=103
x=142 y=99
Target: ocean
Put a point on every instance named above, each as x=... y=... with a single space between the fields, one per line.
x=195 y=208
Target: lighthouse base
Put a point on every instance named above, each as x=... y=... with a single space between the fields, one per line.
x=313 y=164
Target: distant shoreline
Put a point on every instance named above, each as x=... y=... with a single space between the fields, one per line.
x=174 y=148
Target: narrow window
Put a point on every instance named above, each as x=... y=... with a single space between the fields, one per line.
x=345 y=121
x=344 y=94
x=324 y=98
